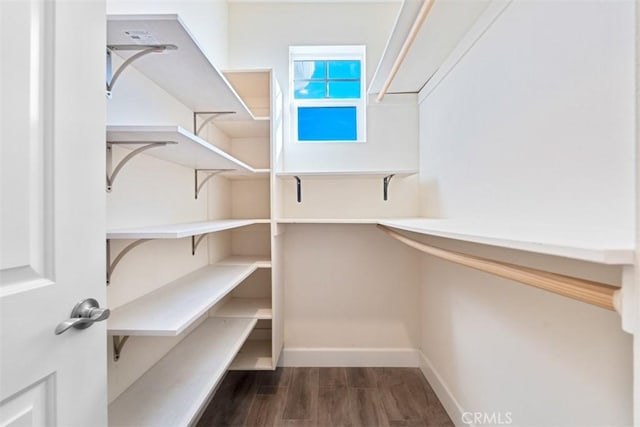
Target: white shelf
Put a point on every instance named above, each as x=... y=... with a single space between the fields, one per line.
x=601 y=246
x=446 y=24
x=255 y=355
x=169 y=310
x=186 y=73
x=328 y=221
x=347 y=174
x=190 y=151
x=254 y=308
x=179 y=231
x=259 y=262
x=174 y=390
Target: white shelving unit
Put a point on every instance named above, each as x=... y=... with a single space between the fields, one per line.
x=228 y=296
x=189 y=150
x=171 y=309
x=599 y=246
x=179 y=231
x=174 y=391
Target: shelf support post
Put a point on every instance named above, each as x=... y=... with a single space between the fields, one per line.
x=111 y=265
x=118 y=345
x=111 y=176
x=143 y=50
x=213 y=115
x=195 y=242
x=298 y=189
x=385 y=186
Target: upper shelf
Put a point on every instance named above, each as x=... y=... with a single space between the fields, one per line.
x=346 y=174
x=190 y=150
x=179 y=231
x=594 y=245
x=446 y=24
x=186 y=73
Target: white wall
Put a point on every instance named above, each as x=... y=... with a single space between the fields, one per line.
x=535 y=124
x=349 y=286
x=260 y=36
x=206 y=20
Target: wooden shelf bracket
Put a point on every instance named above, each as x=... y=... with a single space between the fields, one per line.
x=142 y=51
x=111 y=175
x=595 y=293
x=111 y=265
x=118 y=345
x=212 y=116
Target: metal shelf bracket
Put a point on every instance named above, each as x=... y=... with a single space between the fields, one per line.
x=142 y=51
x=111 y=265
x=298 y=189
x=198 y=185
x=111 y=175
x=212 y=116
x=118 y=345
x=195 y=242
x=385 y=186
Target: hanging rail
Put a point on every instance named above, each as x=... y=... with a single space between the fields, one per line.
x=595 y=293
x=408 y=42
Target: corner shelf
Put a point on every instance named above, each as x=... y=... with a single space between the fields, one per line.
x=189 y=150
x=174 y=391
x=598 y=246
x=255 y=355
x=186 y=73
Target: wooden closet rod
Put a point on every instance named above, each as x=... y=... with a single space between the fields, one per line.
x=595 y=293
x=408 y=42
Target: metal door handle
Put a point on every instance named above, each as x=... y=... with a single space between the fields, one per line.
x=83 y=315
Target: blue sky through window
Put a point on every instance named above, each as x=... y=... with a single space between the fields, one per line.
x=327 y=124
x=327 y=79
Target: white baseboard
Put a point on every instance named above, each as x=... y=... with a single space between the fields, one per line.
x=447 y=399
x=350 y=357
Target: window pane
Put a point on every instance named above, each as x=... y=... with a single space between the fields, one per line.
x=327 y=124
x=341 y=89
x=304 y=70
x=344 y=69
x=310 y=90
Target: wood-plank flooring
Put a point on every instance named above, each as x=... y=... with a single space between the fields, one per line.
x=325 y=397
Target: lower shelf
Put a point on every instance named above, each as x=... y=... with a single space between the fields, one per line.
x=174 y=390
x=255 y=355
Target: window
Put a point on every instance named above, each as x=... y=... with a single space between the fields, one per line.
x=327 y=93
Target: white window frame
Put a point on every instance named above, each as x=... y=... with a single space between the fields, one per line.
x=329 y=53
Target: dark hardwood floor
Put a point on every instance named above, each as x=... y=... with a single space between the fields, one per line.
x=325 y=397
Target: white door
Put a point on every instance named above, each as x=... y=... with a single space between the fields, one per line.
x=52 y=212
